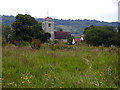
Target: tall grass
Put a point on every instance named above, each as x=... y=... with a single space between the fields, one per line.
x=81 y=66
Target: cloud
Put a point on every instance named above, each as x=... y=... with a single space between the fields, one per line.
x=66 y=9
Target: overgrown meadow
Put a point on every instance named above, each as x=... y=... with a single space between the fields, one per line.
x=74 y=66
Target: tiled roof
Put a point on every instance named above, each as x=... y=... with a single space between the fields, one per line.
x=62 y=35
x=77 y=40
x=48 y=18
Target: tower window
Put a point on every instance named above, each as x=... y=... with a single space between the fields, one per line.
x=49 y=24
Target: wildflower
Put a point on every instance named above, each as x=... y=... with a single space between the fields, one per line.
x=8 y=84
x=28 y=73
x=60 y=87
x=12 y=82
x=54 y=77
x=62 y=82
x=21 y=77
x=26 y=78
x=16 y=85
x=22 y=81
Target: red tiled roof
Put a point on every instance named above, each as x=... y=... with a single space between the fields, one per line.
x=62 y=35
x=48 y=18
x=77 y=40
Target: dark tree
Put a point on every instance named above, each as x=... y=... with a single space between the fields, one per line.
x=98 y=35
x=24 y=27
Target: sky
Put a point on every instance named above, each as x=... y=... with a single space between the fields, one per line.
x=102 y=10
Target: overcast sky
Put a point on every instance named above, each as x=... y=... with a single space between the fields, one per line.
x=103 y=10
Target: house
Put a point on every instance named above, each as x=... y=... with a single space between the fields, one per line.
x=62 y=36
x=76 y=41
x=48 y=26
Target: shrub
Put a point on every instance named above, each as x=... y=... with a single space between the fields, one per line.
x=70 y=41
x=36 y=43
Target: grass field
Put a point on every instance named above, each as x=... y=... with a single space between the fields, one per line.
x=80 y=66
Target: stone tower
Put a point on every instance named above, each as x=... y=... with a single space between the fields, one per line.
x=48 y=26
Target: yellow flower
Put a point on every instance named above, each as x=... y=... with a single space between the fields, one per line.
x=60 y=87
x=8 y=84
x=62 y=82
x=21 y=77
x=26 y=78
x=22 y=81
x=28 y=73
x=16 y=85
x=54 y=77
x=12 y=82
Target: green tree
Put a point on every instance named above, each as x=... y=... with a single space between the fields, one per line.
x=98 y=35
x=24 y=27
x=70 y=41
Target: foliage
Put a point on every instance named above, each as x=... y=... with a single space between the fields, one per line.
x=24 y=27
x=70 y=41
x=36 y=43
x=56 y=41
x=98 y=35
x=4 y=41
x=83 y=67
x=43 y=36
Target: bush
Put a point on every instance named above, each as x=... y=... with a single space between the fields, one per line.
x=70 y=41
x=36 y=43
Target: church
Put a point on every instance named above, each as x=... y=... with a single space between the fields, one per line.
x=48 y=26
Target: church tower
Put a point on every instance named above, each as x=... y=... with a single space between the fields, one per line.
x=48 y=26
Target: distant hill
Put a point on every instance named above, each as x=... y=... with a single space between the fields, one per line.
x=76 y=27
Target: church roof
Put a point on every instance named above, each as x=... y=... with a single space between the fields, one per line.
x=62 y=35
x=48 y=18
